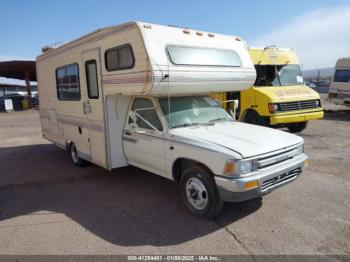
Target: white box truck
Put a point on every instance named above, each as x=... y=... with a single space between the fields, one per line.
x=137 y=94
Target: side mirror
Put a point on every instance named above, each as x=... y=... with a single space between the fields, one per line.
x=235 y=106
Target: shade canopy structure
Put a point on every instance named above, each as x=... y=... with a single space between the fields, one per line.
x=22 y=70
x=18 y=69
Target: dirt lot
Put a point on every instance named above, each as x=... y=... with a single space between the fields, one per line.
x=48 y=206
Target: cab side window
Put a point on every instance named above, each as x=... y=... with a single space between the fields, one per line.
x=146 y=115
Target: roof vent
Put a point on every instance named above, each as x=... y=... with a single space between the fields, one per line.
x=51 y=47
x=46 y=48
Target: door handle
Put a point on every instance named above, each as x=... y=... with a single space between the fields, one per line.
x=128 y=133
x=86 y=107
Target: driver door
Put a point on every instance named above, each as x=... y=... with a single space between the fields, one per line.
x=143 y=137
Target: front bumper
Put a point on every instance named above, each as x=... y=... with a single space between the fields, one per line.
x=296 y=117
x=268 y=179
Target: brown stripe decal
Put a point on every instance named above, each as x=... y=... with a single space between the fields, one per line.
x=91 y=125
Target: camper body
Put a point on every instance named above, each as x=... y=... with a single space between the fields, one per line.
x=279 y=96
x=137 y=94
x=339 y=91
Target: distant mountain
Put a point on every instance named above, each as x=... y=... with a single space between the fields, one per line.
x=313 y=73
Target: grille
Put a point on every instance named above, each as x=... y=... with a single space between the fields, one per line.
x=275 y=159
x=280 y=179
x=298 y=105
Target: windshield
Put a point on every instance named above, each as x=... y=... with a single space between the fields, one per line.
x=193 y=110
x=181 y=55
x=278 y=75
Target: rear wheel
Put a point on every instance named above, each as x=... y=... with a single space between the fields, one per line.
x=254 y=118
x=74 y=156
x=199 y=192
x=297 y=127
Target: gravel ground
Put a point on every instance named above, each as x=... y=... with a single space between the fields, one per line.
x=48 y=206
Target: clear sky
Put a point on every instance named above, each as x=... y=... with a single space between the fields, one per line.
x=315 y=28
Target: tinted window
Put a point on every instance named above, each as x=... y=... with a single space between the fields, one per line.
x=91 y=78
x=342 y=75
x=67 y=79
x=119 y=58
x=181 y=55
x=149 y=114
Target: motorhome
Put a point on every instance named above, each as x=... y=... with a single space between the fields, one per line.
x=138 y=94
x=339 y=91
x=279 y=97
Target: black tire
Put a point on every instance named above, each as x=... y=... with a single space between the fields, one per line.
x=73 y=154
x=254 y=118
x=211 y=199
x=297 y=127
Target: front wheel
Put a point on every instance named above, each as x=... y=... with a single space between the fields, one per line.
x=297 y=127
x=199 y=192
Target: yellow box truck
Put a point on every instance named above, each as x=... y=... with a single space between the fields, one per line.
x=279 y=97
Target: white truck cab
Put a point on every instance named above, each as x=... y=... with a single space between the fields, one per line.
x=138 y=94
x=214 y=158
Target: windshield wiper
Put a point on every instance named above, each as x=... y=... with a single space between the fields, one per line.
x=192 y=124
x=219 y=119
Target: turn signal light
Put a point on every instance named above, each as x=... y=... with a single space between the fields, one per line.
x=251 y=184
x=229 y=167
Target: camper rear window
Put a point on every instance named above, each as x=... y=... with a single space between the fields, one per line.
x=342 y=75
x=67 y=79
x=119 y=58
x=181 y=55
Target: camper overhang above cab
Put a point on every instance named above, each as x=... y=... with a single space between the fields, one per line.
x=147 y=59
x=187 y=61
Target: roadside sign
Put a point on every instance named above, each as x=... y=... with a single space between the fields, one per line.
x=8 y=105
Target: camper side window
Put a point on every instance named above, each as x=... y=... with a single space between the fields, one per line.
x=342 y=75
x=91 y=79
x=67 y=80
x=119 y=58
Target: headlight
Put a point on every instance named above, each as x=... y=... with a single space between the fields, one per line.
x=238 y=167
x=318 y=103
x=246 y=166
x=300 y=149
x=273 y=108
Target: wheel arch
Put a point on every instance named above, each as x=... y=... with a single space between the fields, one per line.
x=180 y=163
x=68 y=143
x=246 y=112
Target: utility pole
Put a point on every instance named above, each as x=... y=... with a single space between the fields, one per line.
x=29 y=88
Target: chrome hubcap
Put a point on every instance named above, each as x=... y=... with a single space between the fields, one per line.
x=74 y=154
x=196 y=193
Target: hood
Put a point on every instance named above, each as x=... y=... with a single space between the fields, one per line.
x=246 y=139
x=288 y=93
